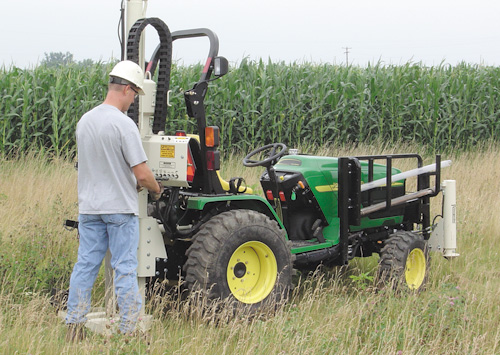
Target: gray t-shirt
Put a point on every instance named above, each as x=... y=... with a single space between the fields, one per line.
x=109 y=145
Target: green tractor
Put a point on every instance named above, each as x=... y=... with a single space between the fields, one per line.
x=216 y=237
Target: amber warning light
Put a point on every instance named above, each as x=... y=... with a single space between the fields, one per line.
x=212 y=136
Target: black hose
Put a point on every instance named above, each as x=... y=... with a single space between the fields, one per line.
x=165 y=55
x=121 y=24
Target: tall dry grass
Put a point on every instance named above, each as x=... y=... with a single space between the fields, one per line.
x=328 y=313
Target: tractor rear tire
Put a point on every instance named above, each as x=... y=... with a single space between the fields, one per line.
x=404 y=261
x=242 y=258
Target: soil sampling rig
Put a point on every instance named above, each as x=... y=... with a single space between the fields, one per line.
x=233 y=245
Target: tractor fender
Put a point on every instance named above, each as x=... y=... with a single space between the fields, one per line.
x=249 y=202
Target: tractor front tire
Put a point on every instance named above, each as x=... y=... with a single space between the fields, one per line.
x=240 y=257
x=404 y=261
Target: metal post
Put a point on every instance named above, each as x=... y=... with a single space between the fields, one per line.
x=443 y=238
x=136 y=9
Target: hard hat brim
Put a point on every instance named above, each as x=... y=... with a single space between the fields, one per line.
x=113 y=79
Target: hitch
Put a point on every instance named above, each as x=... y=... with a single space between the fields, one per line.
x=70 y=224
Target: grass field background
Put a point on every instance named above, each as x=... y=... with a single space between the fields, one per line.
x=332 y=312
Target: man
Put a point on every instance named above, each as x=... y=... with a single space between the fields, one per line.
x=111 y=166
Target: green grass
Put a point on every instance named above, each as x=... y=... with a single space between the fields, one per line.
x=334 y=311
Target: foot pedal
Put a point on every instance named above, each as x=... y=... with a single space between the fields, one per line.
x=317 y=229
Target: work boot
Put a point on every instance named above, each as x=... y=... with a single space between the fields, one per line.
x=75 y=333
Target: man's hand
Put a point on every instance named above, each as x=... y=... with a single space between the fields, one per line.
x=156 y=195
x=145 y=178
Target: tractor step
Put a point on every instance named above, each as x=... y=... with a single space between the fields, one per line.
x=303 y=243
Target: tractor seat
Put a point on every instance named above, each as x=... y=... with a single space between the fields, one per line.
x=227 y=187
x=225 y=184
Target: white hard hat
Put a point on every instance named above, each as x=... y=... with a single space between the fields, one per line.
x=130 y=72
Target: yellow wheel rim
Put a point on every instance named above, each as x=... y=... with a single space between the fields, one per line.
x=415 y=269
x=252 y=272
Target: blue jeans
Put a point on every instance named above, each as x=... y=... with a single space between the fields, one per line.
x=119 y=233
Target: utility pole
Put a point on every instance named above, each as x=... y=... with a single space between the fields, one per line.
x=347 y=54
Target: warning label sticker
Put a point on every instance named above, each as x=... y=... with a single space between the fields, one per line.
x=167 y=151
x=167 y=165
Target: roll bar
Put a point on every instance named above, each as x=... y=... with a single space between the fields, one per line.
x=193 y=33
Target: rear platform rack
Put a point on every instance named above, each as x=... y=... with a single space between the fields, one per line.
x=350 y=210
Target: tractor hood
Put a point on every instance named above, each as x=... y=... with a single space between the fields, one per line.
x=322 y=172
x=308 y=190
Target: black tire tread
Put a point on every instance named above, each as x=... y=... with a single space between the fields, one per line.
x=393 y=256
x=207 y=243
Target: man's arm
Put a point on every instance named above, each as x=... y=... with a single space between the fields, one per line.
x=145 y=178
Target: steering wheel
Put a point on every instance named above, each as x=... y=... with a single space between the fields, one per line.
x=272 y=155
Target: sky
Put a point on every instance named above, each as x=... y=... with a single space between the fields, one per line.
x=319 y=31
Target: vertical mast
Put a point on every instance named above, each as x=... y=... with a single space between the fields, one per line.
x=136 y=9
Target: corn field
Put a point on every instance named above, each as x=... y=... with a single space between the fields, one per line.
x=441 y=108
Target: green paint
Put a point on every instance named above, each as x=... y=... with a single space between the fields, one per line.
x=321 y=174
